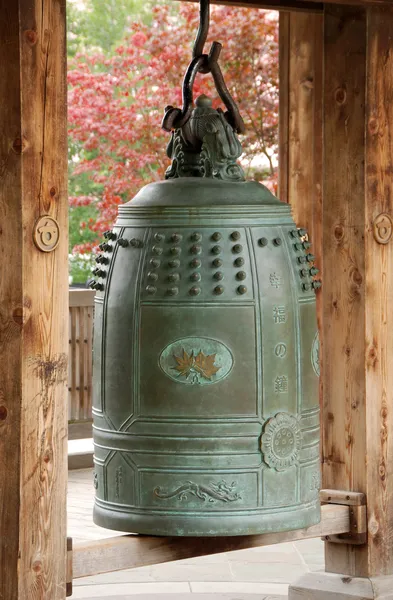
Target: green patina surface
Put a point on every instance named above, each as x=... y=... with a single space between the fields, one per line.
x=206 y=411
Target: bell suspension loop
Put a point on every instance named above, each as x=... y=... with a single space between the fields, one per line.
x=175 y=118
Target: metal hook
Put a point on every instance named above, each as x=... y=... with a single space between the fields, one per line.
x=204 y=22
x=175 y=118
x=201 y=37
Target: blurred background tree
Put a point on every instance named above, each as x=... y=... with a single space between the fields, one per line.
x=125 y=66
x=96 y=25
x=92 y=26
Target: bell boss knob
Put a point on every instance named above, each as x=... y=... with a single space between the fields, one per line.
x=195 y=263
x=135 y=243
x=99 y=272
x=105 y=247
x=174 y=264
x=102 y=259
x=176 y=237
x=110 y=235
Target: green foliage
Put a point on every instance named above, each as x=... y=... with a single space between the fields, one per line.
x=101 y=25
x=80 y=267
x=78 y=232
x=80 y=185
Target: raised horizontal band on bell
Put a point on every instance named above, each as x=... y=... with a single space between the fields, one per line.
x=168 y=444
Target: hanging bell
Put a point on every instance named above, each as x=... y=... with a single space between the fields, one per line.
x=206 y=351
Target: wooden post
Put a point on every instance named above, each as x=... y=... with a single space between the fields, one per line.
x=33 y=301
x=345 y=406
x=379 y=289
x=358 y=293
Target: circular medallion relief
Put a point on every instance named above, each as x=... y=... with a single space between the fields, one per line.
x=281 y=441
x=46 y=234
x=382 y=228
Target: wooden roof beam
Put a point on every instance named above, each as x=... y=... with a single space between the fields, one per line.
x=295 y=5
x=314 y=6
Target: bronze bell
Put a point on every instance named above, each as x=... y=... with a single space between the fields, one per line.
x=206 y=351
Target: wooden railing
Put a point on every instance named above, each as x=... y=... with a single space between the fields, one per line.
x=80 y=356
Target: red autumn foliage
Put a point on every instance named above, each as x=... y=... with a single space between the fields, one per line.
x=116 y=103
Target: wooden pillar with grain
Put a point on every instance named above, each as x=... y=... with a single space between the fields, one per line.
x=33 y=300
x=357 y=294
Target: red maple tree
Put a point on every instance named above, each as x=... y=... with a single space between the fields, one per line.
x=116 y=103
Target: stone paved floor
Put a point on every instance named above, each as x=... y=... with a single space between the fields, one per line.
x=255 y=574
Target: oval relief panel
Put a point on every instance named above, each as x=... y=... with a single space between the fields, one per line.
x=196 y=361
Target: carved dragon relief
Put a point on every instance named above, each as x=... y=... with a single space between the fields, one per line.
x=213 y=492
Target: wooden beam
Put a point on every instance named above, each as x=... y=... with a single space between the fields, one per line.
x=358 y=276
x=285 y=5
x=131 y=551
x=303 y=4
x=33 y=301
x=312 y=6
x=81 y=297
x=363 y=3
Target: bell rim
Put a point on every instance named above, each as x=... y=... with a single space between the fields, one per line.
x=216 y=524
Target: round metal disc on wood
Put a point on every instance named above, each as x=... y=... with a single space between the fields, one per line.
x=46 y=234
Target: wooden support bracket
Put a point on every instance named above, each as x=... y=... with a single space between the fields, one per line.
x=356 y=501
x=130 y=551
x=69 y=568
